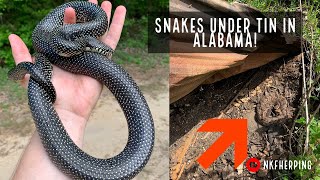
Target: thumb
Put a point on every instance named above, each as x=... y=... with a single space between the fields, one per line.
x=69 y=16
x=20 y=54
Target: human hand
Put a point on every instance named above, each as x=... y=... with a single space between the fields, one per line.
x=76 y=94
x=76 y=97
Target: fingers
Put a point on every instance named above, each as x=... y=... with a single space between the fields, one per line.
x=112 y=37
x=107 y=6
x=69 y=16
x=94 y=1
x=20 y=53
x=114 y=33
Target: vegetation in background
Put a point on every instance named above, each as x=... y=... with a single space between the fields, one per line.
x=311 y=33
x=8 y=102
x=21 y=16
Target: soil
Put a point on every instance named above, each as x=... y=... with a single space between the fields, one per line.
x=253 y=95
x=103 y=137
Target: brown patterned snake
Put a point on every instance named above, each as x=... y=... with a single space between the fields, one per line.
x=273 y=108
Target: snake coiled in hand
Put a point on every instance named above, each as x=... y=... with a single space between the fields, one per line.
x=76 y=48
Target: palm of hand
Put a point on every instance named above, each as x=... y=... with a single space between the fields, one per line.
x=76 y=94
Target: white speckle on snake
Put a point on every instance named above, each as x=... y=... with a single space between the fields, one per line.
x=75 y=48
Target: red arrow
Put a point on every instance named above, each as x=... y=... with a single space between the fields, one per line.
x=234 y=131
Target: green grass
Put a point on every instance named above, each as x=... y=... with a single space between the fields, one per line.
x=311 y=10
x=271 y=5
x=311 y=33
x=17 y=93
x=314 y=149
x=133 y=49
x=141 y=58
x=11 y=96
x=11 y=92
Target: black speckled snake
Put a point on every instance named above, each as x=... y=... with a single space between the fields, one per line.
x=75 y=48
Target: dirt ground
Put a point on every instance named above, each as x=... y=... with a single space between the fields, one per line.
x=268 y=97
x=104 y=137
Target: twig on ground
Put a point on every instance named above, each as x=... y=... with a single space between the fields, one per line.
x=311 y=88
x=181 y=152
x=304 y=90
x=311 y=118
x=317 y=163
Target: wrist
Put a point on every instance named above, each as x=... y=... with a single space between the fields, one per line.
x=42 y=167
x=74 y=125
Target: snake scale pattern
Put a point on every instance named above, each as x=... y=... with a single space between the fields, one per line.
x=75 y=48
x=273 y=108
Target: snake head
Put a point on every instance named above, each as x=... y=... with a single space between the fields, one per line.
x=67 y=47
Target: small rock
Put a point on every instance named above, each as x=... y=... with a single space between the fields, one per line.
x=240 y=169
x=236 y=104
x=227 y=172
x=195 y=175
x=262 y=173
x=216 y=176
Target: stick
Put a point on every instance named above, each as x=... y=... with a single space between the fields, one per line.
x=312 y=169
x=311 y=88
x=304 y=90
x=179 y=167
